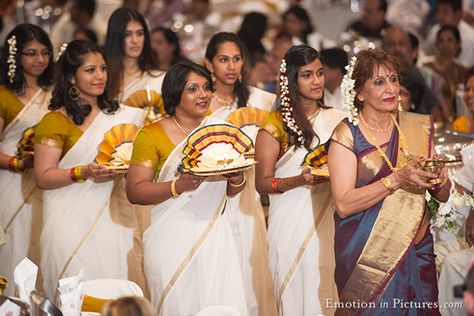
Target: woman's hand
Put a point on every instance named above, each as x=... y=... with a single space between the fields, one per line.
x=235 y=178
x=311 y=179
x=188 y=182
x=98 y=173
x=410 y=177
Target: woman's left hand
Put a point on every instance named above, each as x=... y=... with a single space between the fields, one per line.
x=310 y=178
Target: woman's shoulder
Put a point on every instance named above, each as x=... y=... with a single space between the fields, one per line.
x=461 y=124
x=261 y=99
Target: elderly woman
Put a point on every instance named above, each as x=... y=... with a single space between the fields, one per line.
x=383 y=244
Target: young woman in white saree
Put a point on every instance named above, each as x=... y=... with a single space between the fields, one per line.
x=134 y=76
x=300 y=222
x=233 y=100
x=190 y=256
x=79 y=229
x=26 y=78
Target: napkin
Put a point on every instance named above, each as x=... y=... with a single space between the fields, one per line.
x=25 y=279
x=9 y=308
x=71 y=294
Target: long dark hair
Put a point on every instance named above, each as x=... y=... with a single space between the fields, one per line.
x=251 y=32
x=25 y=33
x=66 y=68
x=114 y=46
x=301 y=15
x=241 y=87
x=297 y=57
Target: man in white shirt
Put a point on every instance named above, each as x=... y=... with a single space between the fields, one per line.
x=335 y=60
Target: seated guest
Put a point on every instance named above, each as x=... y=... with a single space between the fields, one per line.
x=372 y=22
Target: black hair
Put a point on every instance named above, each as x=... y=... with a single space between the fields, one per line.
x=468 y=75
x=171 y=38
x=114 y=46
x=297 y=57
x=175 y=81
x=414 y=86
x=241 y=87
x=25 y=33
x=66 y=69
x=251 y=32
x=87 y=6
x=302 y=15
x=335 y=58
x=383 y=6
x=90 y=34
x=456 y=5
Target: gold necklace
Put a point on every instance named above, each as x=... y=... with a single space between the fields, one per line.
x=377 y=147
x=312 y=116
x=222 y=101
x=180 y=127
x=380 y=130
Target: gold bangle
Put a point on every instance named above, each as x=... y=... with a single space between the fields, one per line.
x=240 y=184
x=387 y=183
x=75 y=174
x=174 y=193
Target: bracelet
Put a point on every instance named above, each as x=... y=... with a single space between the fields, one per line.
x=174 y=193
x=75 y=174
x=387 y=183
x=16 y=165
x=275 y=185
x=240 y=184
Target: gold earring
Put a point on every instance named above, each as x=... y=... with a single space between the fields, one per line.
x=73 y=93
x=240 y=78
x=400 y=108
x=213 y=78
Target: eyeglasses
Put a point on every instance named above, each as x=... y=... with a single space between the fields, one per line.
x=195 y=89
x=34 y=53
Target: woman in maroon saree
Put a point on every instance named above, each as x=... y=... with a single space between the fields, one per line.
x=383 y=245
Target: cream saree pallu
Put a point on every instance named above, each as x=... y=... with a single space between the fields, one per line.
x=79 y=230
x=301 y=233
x=245 y=213
x=300 y=239
x=20 y=209
x=191 y=260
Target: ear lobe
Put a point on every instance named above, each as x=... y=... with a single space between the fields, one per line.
x=208 y=65
x=360 y=98
x=72 y=80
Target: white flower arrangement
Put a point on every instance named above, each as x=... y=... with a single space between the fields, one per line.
x=62 y=49
x=348 y=93
x=449 y=215
x=285 y=104
x=11 y=61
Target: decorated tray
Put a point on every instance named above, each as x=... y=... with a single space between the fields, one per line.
x=115 y=151
x=320 y=172
x=217 y=149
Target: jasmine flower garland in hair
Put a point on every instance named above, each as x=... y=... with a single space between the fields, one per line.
x=348 y=93
x=285 y=105
x=11 y=61
x=62 y=49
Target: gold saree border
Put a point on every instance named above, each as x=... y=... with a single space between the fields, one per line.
x=302 y=249
x=88 y=232
x=190 y=256
x=394 y=232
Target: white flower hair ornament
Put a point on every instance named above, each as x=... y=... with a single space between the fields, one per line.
x=285 y=105
x=11 y=61
x=348 y=93
x=62 y=49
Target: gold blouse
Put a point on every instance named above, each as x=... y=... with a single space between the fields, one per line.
x=10 y=105
x=152 y=147
x=57 y=130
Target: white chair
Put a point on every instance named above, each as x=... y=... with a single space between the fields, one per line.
x=218 y=310
x=111 y=288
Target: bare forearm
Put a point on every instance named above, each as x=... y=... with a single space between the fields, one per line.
x=360 y=199
x=4 y=160
x=442 y=193
x=268 y=185
x=149 y=193
x=53 y=178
